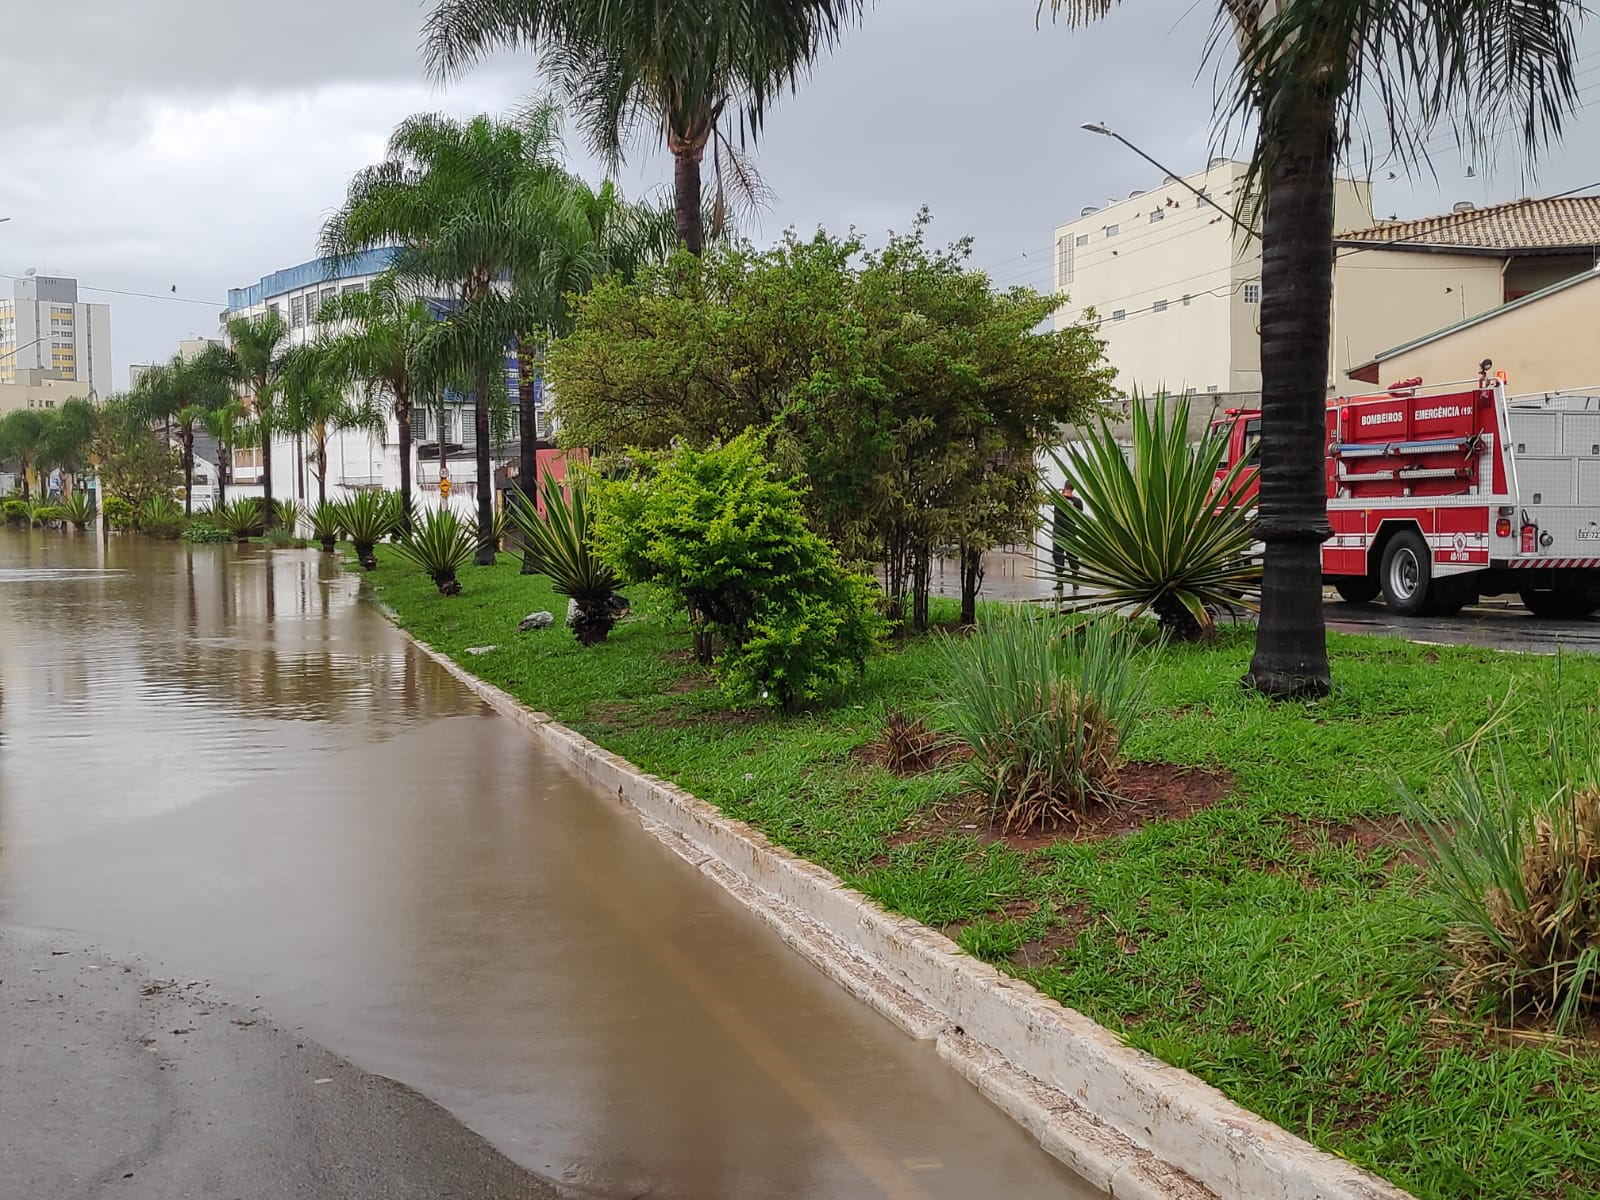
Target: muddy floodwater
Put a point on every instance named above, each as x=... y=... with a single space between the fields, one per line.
x=220 y=762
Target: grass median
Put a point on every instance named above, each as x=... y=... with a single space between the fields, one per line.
x=1268 y=928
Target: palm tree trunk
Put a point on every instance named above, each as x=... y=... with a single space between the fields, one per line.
x=224 y=465
x=528 y=435
x=268 y=508
x=480 y=425
x=1291 y=658
x=688 y=149
x=322 y=469
x=188 y=473
x=402 y=416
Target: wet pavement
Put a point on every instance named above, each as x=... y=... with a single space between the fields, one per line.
x=222 y=762
x=1498 y=623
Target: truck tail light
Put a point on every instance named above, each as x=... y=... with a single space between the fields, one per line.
x=1502 y=527
x=1530 y=539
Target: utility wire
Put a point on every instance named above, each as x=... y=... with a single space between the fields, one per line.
x=213 y=304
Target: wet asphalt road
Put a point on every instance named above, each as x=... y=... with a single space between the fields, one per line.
x=115 y=1084
x=1496 y=624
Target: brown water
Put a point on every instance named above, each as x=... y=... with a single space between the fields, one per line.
x=221 y=761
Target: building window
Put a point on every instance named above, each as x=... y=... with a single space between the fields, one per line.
x=1252 y=293
x=1119 y=314
x=1063 y=262
x=1159 y=306
x=1113 y=230
x=297 y=313
x=1081 y=240
x=1158 y=214
x=328 y=293
x=1202 y=200
x=1211 y=389
x=1186 y=301
x=274 y=311
x=352 y=287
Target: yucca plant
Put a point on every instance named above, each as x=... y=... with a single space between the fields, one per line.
x=325 y=525
x=244 y=518
x=1160 y=533
x=564 y=552
x=1517 y=866
x=499 y=527
x=161 y=517
x=441 y=544
x=367 y=518
x=402 y=514
x=289 y=513
x=77 y=509
x=1044 y=708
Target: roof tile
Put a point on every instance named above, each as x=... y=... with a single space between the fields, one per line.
x=1531 y=224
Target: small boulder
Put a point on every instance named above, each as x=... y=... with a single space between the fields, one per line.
x=537 y=620
x=481 y=649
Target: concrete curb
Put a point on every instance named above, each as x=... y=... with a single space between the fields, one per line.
x=1126 y=1122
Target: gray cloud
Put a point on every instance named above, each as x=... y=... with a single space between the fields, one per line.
x=200 y=144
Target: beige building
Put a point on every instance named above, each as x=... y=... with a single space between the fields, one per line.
x=1415 y=282
x=46 y=332
x=1176 y=284
x=46 y=393
x=1545 y=341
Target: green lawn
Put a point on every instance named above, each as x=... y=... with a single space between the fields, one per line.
x=1254 y=943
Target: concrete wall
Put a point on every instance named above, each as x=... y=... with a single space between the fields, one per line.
x=47 y=394
x=1548 y=345
x=92 y=345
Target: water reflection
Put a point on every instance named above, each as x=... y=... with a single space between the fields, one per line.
x=222 y=760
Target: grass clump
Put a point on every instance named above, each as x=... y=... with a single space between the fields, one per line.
x=1045 y=709
x=1517 y=864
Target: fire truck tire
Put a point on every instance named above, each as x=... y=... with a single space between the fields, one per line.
x=1357 y=589
x=1407 y=573
x=1563 y=603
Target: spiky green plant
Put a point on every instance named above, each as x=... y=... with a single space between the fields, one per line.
x=1045 y=708
x=1159 y=533
x=564 y=552
x=77 y=509
x=402 y=513
x=161 y=517
x=325 y=526
x=1518 y=869
x=440 y=544
x=289 y=514
x=40 y=511
x=367 y=518
x=243 y=517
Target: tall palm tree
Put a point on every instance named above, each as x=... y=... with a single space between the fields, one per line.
x=679 y=68
x=226 y=425
x=378 y=332
x=315 y=404
x=258 y=346
x=450 y=193
x=1310 y=72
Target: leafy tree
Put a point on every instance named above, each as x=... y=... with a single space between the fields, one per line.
x=1310 y=74
x=677 y=68
x=19 y=442
x=910 y=397
x=258 y=348
x=135 y=464
x=66 y=437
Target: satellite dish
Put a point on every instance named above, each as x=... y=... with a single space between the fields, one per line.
x=31 y=271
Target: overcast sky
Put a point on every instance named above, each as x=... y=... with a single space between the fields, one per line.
x=198 y=144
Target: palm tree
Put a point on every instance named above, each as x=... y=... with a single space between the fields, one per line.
x=225 y=424
x=376 y=346
x=179 y=393
x=315 y=404
x=1307 y=69
x=258 y=346
x=451 y=194
x=678 y=67
x=66 y=435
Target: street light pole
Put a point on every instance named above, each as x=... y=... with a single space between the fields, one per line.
x=1103 y=131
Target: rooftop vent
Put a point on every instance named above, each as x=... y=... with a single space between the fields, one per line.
x=1463 y=206
x=1088 y=210
x=1135 y=194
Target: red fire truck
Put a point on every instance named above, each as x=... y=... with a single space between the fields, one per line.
x=1440 y=495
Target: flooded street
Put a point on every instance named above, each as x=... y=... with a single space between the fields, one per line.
x=222 y=763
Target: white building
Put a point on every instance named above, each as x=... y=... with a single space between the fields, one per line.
x=188 y=348
x=359 y=460
x=47 y=333
x=1176 y=284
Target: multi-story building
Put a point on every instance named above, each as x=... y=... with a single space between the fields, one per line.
x=443 y=434
x=46 y=332
x=187 y=348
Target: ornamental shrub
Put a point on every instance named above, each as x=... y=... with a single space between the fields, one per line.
x=119 y=513
x=15 y=510
x=718 y=529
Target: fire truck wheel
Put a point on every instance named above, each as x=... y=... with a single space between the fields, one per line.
x=1357 y=589
x=1562 y=603
x=1407 y=573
